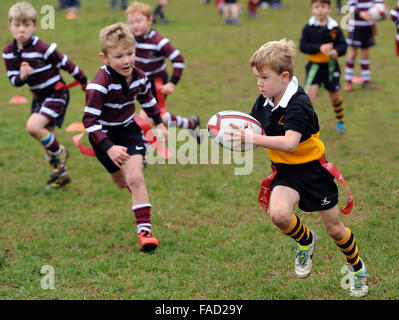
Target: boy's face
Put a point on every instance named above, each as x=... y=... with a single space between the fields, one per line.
x=22 y=31
x=120 y=59
x=271 y=84
x=320 y=10
x=139 y=24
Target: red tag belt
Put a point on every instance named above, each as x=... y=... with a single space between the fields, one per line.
x=265 y=189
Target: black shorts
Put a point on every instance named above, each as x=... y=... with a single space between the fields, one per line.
x=130 y=137
x=315 y=185
x=329 y=78
x=52 y=107
x=361 y=37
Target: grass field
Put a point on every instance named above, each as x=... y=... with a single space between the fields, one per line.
x=215 y=241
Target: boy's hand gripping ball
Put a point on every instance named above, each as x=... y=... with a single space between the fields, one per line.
x=220 y=122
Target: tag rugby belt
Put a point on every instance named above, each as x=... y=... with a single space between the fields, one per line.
x=265 y=189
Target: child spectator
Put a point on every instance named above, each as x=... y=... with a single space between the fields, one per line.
x=31 y=61
x=112 y=4
x=109 y=120
x=394 y=13
x=230 y=12
x=360 y=36
x=252 y=8
x=323 y=42
x=159 y=11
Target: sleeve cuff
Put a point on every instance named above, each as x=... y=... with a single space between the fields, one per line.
x=157 y=119
x=105 y=144
x=175 y=80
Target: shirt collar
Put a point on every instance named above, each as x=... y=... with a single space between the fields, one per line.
x=146 y=36
x=292 y=88
x=331 y=23
x=15 y=49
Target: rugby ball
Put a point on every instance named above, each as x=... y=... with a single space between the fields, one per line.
x=220 y=122
x=378 y=12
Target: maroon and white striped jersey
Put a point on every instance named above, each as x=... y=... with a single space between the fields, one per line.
x=110 y=102
x=46 y=61
x=356 y=6
x=151 y=51
x=395 y=15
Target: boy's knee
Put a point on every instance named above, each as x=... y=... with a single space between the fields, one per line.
x=31 y=128
x=280 y=217
x=134 y=180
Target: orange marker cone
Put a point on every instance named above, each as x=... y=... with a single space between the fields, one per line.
x=71 y=15
x=18 y=100
x=75 y=126
x=357 y=79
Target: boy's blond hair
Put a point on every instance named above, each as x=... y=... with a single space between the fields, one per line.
x=22 y=11
x=139 y=7
x=116 y=35
x=276 y=55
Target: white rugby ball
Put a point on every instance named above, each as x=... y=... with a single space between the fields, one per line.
x=220 y=122
x=378 y=12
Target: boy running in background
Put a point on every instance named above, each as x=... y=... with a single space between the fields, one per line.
x=323 y=42
x=151 y=51
x=360 y=35
x=297 y=154
x=394 y=14
x=31 y=61
x=109 y=120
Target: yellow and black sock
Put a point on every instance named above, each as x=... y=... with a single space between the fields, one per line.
x=338 y=106
x=349 y=248
x=298 y=231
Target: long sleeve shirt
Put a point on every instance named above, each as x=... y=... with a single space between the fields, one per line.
x=152 y=50
x=46 y=61
x=110 y=103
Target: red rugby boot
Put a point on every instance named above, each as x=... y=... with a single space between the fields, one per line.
x=148 y=241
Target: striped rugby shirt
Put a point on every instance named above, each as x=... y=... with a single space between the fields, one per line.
x=151 y=51
x=356 y=6
x=110 y=103
x=46 y=61
x=395 y=15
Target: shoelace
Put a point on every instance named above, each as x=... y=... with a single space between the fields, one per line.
x=303 y=256
x=146 y=234
x=359 y=278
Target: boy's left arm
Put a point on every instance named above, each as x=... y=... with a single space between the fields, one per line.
x=177 y=60
x=62 y=61
x=148 y=102
x=340 y=44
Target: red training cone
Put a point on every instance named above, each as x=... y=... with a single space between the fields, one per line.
x=18 y=100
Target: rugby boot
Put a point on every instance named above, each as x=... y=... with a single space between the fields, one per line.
x=148 y=242
x=58 y=164
x=59 y=182
x=303 y=258
x=358 y=283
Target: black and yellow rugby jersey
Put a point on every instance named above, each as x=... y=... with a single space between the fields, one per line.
x=294 y=112
x=314 y=35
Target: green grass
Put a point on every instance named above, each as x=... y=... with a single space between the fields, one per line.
x=215 y=241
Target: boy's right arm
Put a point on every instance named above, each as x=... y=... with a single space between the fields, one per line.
x=13 y=69
x=95 y=94
x=306 y=44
